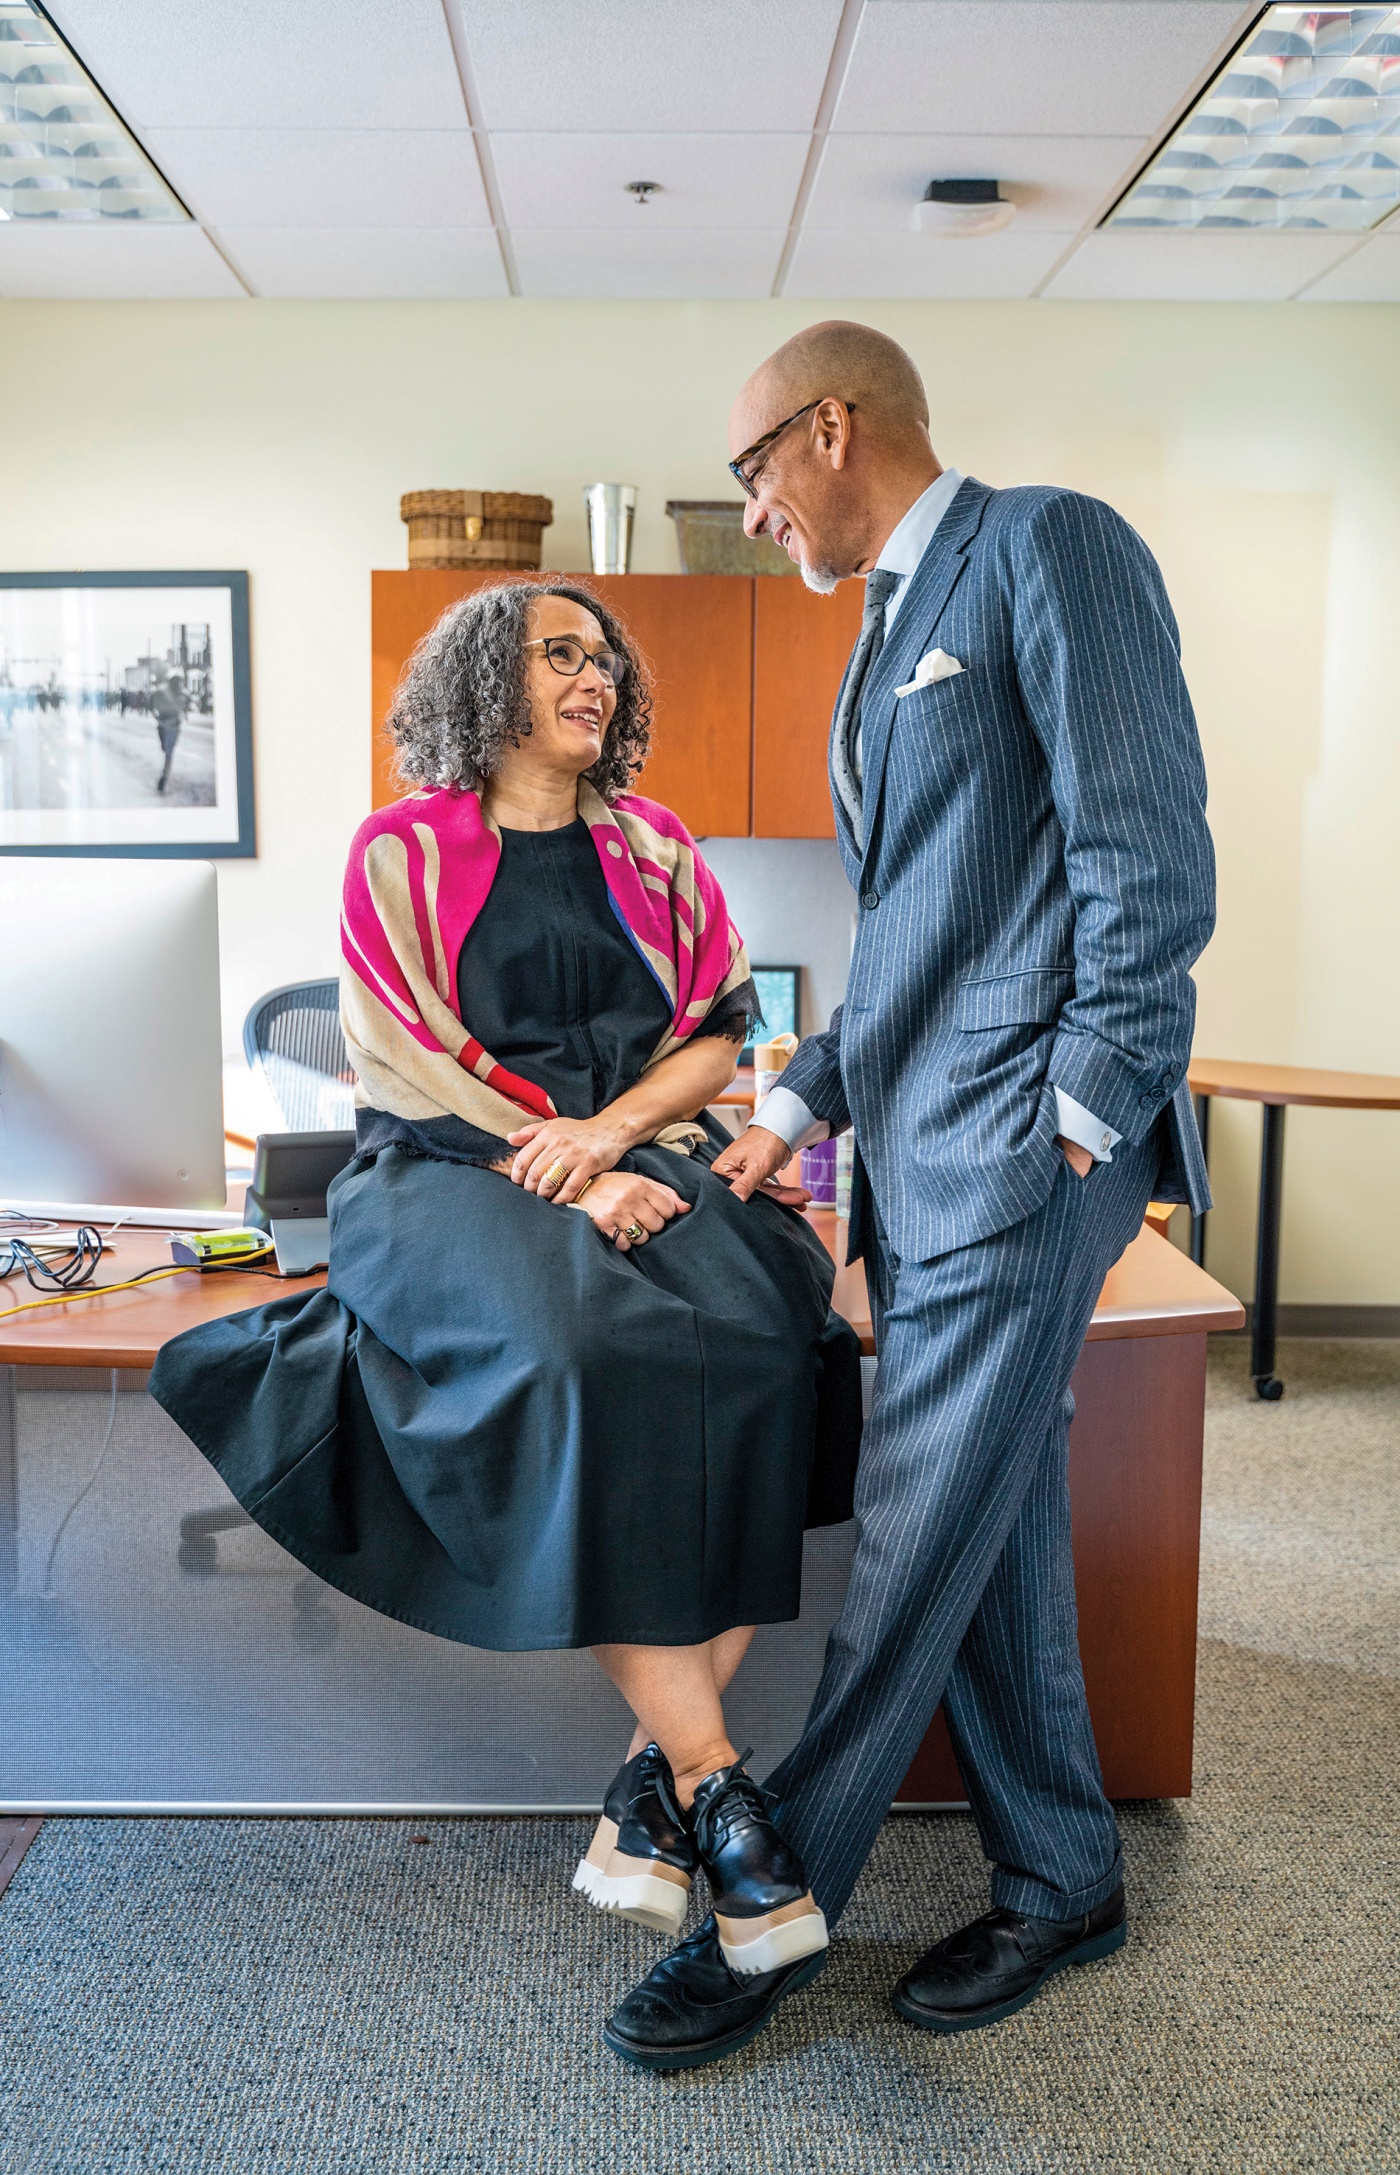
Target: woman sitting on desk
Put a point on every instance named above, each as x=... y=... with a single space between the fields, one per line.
x=560 y=1389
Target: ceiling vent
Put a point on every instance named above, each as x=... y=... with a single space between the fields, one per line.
x=963 y=209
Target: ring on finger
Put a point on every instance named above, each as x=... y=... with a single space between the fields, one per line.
x=634 y=1232
x=556 y=1174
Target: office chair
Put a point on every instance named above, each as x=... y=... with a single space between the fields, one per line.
x=292 y=1036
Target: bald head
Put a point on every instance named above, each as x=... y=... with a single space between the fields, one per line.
x=836 y=359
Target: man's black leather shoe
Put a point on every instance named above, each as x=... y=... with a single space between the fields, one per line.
x=642 y=1856
x=691 y=2008
x=765 y=1913
x=993 y=1967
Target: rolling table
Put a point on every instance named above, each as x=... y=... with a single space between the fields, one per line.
x=1275 y=1086
x=1135 y=1477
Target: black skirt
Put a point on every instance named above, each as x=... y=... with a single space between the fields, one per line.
x=494 y=1426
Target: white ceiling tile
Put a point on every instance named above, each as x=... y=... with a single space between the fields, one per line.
x=324 y=177
x=1119 y=266
x=1372 y=275
x=393 y=263
x=706 y=181
x=922 y=267
x=649 y=64
x=112 y=264
x=268 y=63
x=1028 y=67
x=675 y=265
x=1056 y=182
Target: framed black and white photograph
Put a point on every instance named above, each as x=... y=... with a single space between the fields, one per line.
x=125 y=718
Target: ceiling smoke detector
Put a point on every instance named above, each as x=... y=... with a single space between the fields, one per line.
x=962 y=209
x=643 y=191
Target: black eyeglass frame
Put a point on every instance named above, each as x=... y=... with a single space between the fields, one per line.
x=549 y=642
x=748 y=484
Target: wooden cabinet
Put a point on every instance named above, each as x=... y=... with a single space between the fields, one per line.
x=696 y=632
x=801 y=644
x=746 y=671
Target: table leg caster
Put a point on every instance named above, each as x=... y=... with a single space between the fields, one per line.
x=1268 y=1387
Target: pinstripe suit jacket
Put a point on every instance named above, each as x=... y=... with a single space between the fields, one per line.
x=1036 y=879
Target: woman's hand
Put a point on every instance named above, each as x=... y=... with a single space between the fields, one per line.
x=584 y=1146
x=629 y=1209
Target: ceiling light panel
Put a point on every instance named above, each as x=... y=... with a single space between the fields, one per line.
x=1300 y=132
x=64 y=155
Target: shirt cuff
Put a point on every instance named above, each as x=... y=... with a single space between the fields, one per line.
x=787 y=1115
x=1082 y=1127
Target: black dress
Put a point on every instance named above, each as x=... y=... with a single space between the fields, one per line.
x=493 y=1425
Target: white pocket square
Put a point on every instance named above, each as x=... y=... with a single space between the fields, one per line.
x=936 y=665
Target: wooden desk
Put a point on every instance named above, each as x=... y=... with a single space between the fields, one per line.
x=1135 y=1486
x=1135 y=1471
x=1275 y=1086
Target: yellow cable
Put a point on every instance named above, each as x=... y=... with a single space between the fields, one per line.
x=94 y=1291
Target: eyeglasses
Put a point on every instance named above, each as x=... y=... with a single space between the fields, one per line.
x=569 y=657
x=747 y=477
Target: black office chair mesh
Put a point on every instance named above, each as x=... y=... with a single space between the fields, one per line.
x=292 y=1036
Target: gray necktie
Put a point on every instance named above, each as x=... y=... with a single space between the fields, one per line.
x=880 y=585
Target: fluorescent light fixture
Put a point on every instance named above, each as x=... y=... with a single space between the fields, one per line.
x=1299 y=132
x=64 y=154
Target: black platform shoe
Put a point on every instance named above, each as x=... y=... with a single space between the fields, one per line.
x=764 y=1912
x=691 y=2008
x=642 y=1856
x=993 y=1967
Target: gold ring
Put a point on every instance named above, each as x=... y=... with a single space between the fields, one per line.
x=634 y=1232
x=556 y=1174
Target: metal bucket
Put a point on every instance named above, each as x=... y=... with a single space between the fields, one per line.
x=610 y=508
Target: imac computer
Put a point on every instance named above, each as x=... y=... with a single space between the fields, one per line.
x=111 y=1072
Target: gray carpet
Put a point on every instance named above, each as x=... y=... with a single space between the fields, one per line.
x=332 y=1998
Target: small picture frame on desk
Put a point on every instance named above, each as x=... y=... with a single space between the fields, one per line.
x=125 y=715
x=779 y=994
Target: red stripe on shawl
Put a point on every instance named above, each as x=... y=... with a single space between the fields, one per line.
x=509 y=1084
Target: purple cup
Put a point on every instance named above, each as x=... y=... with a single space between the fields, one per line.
x=819 y=1173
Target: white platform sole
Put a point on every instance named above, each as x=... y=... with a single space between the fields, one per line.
x=782 y=1937
x=629 y=1887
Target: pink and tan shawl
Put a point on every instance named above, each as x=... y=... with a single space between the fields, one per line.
x=418 y=876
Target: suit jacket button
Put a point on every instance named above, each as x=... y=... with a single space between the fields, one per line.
x=870 y=899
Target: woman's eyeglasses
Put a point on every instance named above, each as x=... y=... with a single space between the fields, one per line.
x=568 y=658
x=747 y=469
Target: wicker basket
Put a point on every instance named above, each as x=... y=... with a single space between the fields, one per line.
x=480 y=531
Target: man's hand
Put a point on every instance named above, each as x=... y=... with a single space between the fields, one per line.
x=752 y=1163
x=1079 y=1159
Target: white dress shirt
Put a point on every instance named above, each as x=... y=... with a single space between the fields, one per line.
x=785 y=1113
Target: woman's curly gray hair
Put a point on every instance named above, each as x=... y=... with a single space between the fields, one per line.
x=462 y=697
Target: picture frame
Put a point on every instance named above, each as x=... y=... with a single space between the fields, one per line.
x=126 y=715
x=780 y=994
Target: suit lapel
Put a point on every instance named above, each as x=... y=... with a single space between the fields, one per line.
x=930 y=587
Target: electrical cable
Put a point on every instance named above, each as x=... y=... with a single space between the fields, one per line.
x=46 y=1592
x=95 y=1291
x=64 y=1265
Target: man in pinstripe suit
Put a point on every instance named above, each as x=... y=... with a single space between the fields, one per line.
x=1020 y=806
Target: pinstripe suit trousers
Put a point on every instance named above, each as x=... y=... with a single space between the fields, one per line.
x=962 y=1587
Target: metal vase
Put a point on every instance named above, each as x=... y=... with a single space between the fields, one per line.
x=610 y=508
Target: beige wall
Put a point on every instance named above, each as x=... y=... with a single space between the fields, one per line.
x=1257 y=449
